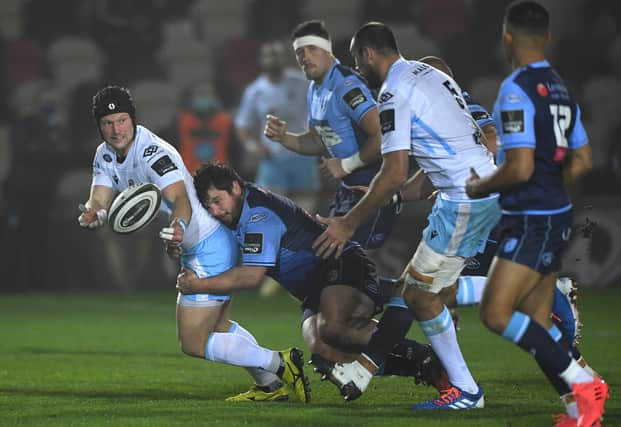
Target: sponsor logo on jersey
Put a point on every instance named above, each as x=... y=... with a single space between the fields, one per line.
x=107 y=157
x=257 y=217
x=472 y=264
x=163 y=165
x=480 y=115
x=547 y=258
x=354 y=98
x=387 y=120
x=150 y=150
x=542 y=90
x=512 y=98
x=385 y=96
x=510 y=245
x=253 y=243
x=512 y=121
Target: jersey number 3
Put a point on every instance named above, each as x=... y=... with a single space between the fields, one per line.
x=561 y=117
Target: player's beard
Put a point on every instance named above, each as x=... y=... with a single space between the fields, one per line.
x=371 y=76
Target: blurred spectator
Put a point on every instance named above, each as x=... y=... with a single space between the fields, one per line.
x=282 y=92
x=39 y=147
x=204 y=129
x=130 y=34
x=158 y=103
x=73 y=61
x=185 y=59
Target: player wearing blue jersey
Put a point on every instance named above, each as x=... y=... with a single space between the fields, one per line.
x=339 y=296
x=343 y=124
x=542 y=148
x=131 y=154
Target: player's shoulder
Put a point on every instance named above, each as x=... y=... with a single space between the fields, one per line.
x=149 y=145
x=104 y=154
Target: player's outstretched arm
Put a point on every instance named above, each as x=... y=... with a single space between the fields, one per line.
x=94 y=213
x=237 y=278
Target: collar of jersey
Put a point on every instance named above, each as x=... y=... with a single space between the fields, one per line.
x=539 y=64
x=328 y=78
x=396 y=63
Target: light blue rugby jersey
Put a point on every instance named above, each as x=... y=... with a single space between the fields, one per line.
x=335 y=109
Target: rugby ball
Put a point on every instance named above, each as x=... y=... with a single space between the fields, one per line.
x=134 y=208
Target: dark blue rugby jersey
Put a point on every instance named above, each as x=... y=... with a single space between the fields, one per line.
x=274 y=232
x=335 y=109
x=534 y=109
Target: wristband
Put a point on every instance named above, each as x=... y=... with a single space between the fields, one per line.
x=182 y=222
x=351 y=163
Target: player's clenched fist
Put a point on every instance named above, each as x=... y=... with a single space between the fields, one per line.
x=275 y=128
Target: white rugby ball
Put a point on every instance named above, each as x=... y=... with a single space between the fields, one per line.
x=134 y=208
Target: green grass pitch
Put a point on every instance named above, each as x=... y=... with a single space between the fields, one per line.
x=91 y=359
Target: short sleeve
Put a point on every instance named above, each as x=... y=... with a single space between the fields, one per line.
x=578 y=136
x=163 y=169
x=354 y=98
x=514 y=114
x=260 y=238
x=395 y=122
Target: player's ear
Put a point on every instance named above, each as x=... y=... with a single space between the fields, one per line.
x=507 y=38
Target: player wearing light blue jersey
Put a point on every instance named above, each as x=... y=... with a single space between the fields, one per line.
x=131 y=154
x=543 y=147
x=423 y=113
x=343 y=125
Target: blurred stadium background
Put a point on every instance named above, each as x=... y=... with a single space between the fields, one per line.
x=54 y=55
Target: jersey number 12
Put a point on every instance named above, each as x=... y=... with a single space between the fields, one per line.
x=561 y=117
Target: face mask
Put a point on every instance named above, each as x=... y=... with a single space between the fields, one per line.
x=203 y=104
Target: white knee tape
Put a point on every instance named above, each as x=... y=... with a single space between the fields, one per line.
x=442 y=269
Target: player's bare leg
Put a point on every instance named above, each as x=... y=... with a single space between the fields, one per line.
x=208 y=333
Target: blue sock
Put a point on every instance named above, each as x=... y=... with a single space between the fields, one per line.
x=559 y=385
x=532 y=337
x=391 y=329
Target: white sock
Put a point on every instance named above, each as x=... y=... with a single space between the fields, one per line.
x=575 y=374
x=261 y=376
x=240 y=351
x=441 y=335
x=571 y=406
x=470 y=289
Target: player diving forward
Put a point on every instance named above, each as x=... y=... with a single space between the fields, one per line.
x=339 y=296
x=131 y=154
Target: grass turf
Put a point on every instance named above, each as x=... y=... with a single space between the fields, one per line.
x=86 y=359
